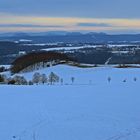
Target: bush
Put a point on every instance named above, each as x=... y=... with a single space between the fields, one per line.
x=135 y=79
x=30 y=83
x=11 y=82
x=1 y=79
x=20 y=80
x=2 y=69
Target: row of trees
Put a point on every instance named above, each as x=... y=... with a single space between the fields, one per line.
x=17 y=80
x=124 y=80
x=42 y=78
x=37 y=79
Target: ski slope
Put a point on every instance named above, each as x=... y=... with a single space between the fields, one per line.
x=83 y=111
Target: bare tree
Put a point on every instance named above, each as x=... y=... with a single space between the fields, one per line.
x=53 y=78
x=135 y=79
x=36 y=78
x=43 y=78
x=109 y=79
x=72 y=79
x=61 y=80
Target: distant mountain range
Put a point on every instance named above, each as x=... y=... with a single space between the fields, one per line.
x=71 y=37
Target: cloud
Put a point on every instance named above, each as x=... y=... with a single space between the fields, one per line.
x=29 y=26
x=38 y=23
x=94 y=25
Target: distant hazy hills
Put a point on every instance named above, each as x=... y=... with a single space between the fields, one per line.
x=72 y=37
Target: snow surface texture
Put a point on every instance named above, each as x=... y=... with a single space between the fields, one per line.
x=92 y=111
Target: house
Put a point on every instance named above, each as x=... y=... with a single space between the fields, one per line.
x=21 y=53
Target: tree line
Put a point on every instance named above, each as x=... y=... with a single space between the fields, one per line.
x=37 y=79
x=36 y=57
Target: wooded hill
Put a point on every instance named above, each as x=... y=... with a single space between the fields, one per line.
x=33 y=58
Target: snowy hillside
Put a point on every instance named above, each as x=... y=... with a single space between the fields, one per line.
x=96 y=75
x=90 y=109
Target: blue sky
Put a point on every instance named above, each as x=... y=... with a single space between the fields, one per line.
x=97 y=12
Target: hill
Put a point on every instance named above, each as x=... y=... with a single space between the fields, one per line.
x=73 y=37
x=38 y=59
x=90 y=108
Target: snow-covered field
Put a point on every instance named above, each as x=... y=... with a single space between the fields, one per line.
x=97 y=75
x=70 y=48
x=90 y=109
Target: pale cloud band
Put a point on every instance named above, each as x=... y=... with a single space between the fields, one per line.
x=37 y=23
